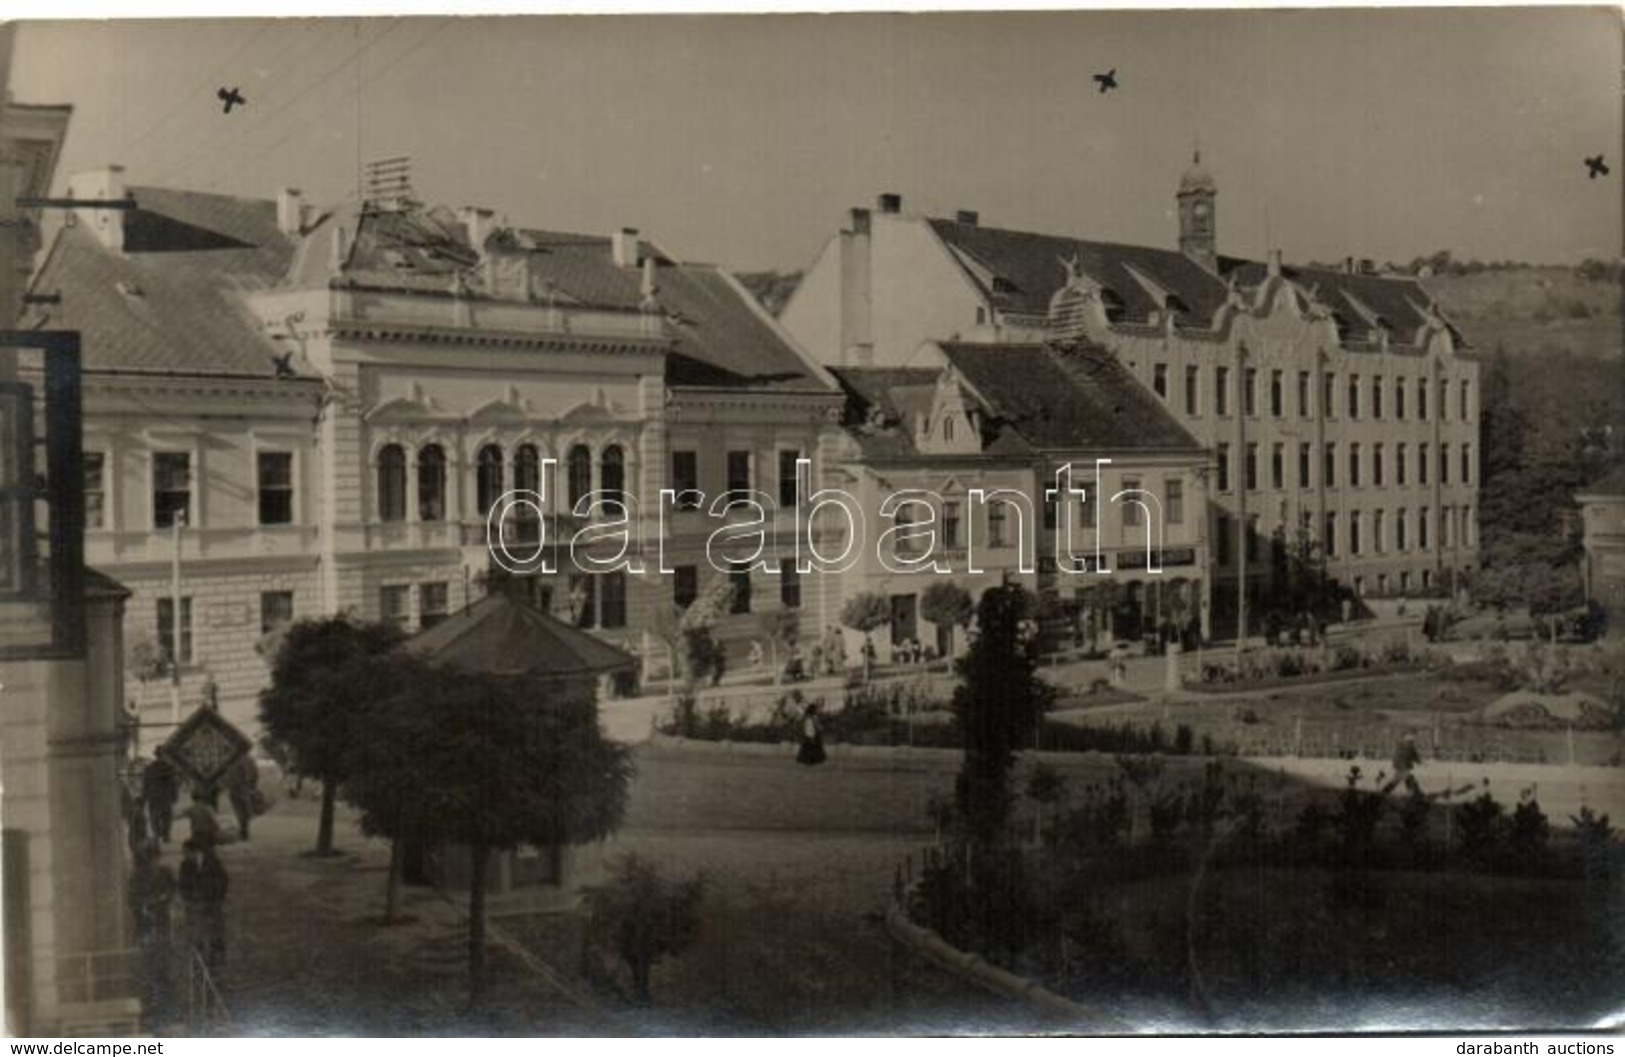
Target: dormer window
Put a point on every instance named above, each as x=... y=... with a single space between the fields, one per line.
x=948 y=428
x=1001 y=285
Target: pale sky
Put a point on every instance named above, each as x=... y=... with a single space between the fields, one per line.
x=745 y=139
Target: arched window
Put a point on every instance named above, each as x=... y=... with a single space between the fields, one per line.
x=431 y=483
x=391 y=483
x=527 y=477
x=612 y=473
x=580 y=473
x=947 y=427
x=488 y=477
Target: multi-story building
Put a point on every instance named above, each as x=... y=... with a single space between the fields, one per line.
x=1045 y=465
x=1339 y=401
x=67 y=933
x=291 y=411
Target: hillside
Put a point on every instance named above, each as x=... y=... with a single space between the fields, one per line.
x=1532 y=310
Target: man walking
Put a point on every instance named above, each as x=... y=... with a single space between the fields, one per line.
x=160 y=788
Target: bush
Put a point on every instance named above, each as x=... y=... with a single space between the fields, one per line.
x=1529 y=833
x=1479 y=824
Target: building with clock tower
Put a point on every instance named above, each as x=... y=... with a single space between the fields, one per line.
x=1198 y=194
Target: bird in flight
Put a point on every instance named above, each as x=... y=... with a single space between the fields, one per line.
x=284 y=365
x=231 y=97
x=1597 y=167
x=1108 y=80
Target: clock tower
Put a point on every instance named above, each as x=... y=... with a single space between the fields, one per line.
x=1197 y=219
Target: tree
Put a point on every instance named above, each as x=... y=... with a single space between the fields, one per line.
x=645 y=917
x=490 y=763
x=947 y=605
x=321 y=680
x=781 y=627
x=864 y=613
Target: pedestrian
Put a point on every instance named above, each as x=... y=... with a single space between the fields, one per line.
x=243 y=790
x=811 y=752
x=203 y=891
x=160 y=788
x=205 y=827
x=1406 y=757
x=151 y=893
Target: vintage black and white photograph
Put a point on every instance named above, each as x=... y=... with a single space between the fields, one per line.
x=946 y=523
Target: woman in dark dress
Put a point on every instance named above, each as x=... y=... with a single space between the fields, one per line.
x=812 y=739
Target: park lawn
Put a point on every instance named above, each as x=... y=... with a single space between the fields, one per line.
x=1283 y=949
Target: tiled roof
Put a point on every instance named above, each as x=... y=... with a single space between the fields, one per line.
x=1026 y=271
x=1079 y=396
x=1036 y=397
x=1397 y=301
x=170 y=303
x=500 y=635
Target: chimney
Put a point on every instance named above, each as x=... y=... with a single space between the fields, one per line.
x=891 y=203
x=1274 y=267
x=479 y=223
x=106 y=184
x=623 y=246
x=340 y=254
x=290 y=212
x=968 y=217
x=860 y=221
x=1348 y=265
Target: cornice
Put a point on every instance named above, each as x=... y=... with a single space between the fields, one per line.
x=363 y=330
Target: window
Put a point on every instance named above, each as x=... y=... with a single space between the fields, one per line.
x=1421 y=464
x=685 y=585
x=1224 y=467
x=1354 y=532
x=789 y=584
x=527 y=477
x=276 y=610
x=1354 y=396
x=1466 y=526
x=171 y=488
x=1422 y=399
x=434 y=601
x=1422 y=528
x=1444 y=400
x=1249 y=393
x=1376 y=532
x=395 y=604
x=1221 y=390
x=1221 y=538
x=612 y=600
x=1278 y=466
x=1399 y=398
x=1328 y=395
x=1277 y=397
x=487 y=478
x=685 y=477
x=1466 y=400
x=1376 y=396
x=1192 y=385
x=1329 y=472
x=1159 y=380
x=166 y=629
x=1331 y=535
x=1252 y=467
x=432 y=483
x=1354 y=466
x=1175 y=501
x=1088 y=506
x=995 y=524
x=787 y=471
x=391 y=483
x=1252 y=538
x=1131 y=509
x=738 y=472
x=1304 y=459
x=612 y=476
x=1444 y=464
x=1376 y=465
x=947 y=428
x=1399 y=464
x=739 y=598
x=1446 y=516
x=1303 y=394
x=276 y=487
x=1466 y=464
x=1400 y=543
x=950 y=525
x=578 y=473
x=1404 y=582
x=95 y=490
